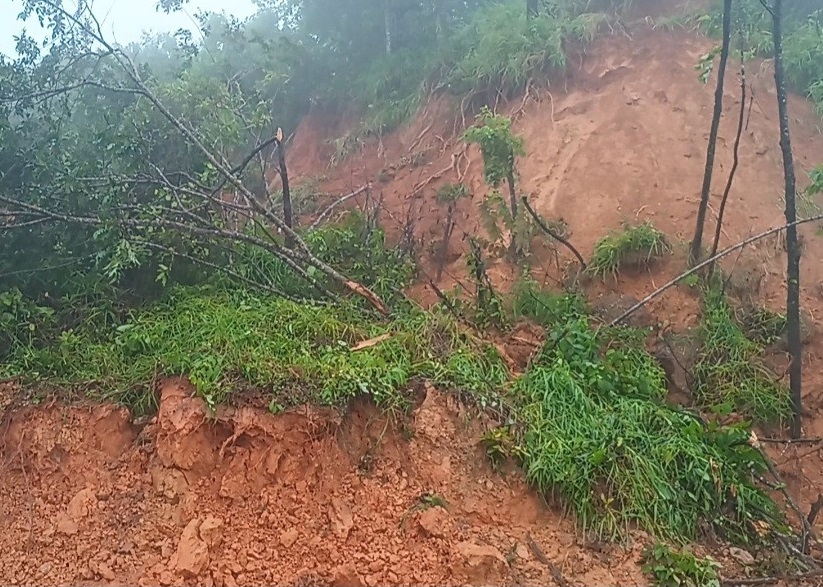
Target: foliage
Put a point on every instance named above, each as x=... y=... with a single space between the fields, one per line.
x=802 y=44
x=729 y=373
x=500 y=445
x=598 y=434
x=452 y=192
x=498 y=145
x=679 y=568
x=632 y=247
x=300 y=352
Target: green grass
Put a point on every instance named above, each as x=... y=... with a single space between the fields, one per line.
x=226 y=340
x=587 y=420
x=679 y=568
x=599 y=436
x=730 y=374
x=634 y=246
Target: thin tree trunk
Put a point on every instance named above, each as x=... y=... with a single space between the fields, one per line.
x=705 y=193
x=736 y=162
x=439 y=20
x=387 y=14
x=284 y=178
x=532 y=9
x=513 y=203
x=792 y=245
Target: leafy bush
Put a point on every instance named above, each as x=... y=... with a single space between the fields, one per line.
x=672 y=568
x=729 y=374
x=598 y=434
x=633 y=246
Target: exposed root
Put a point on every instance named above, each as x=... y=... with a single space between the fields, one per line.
x=419 y=137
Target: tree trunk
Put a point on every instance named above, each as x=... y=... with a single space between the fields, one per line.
x=532 y=9
x=705 y=193
x=792 y=245
x=387 y=14
x=513 y=200
x=439 y=20
x=284 y=178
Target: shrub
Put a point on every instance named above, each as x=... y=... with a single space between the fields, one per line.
x=632 y=247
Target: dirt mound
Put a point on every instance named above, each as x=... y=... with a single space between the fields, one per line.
x=250 y=498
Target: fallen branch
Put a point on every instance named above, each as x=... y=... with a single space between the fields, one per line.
x=553 y=234
x=774 y=580
x=702 y=264
x=538 y=554
x=336 y=203
x=367 y=344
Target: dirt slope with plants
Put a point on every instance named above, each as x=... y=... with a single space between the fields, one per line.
x=307 y=496
x=622 y=140
x=248 y=498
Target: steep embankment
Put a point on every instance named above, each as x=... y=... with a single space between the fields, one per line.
x=247 y=498
x=623 y=139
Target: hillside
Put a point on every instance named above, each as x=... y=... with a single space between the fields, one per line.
x=622 y=140
x=261 y=425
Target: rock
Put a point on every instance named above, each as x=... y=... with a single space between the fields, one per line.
x=105 y=571
x=744 y=557
x=289 y=537
x=44 y=569
x=340 y=518
x=481 y=564
x=346 y=576
x=166 y=578
x=192 y=555
x=434 y=522
x=210 y=531
x=82 y=504
x=65 y=525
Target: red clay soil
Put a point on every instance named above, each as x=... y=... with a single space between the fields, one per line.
x=623 y=139
x=249 y=498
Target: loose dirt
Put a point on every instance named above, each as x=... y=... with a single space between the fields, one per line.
x=250 y=498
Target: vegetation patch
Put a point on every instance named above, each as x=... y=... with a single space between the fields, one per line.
x=679 y=568
x=729 y=373
x=634 y=246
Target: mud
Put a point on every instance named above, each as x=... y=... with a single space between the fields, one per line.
x=306 y=497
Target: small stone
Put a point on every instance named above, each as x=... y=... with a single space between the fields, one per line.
x=44 y=568
x=82 y=504
x=346 y=576
x=210 y=531
x=65 y=525
x=105 y=572
x=434 y=522
x=166 y=578
x=192 y=553
x=744 y=557
x=289 y=537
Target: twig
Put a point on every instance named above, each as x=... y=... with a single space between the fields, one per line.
x=556 y=574
x=772 y=580
x=816 y=440
x=702 y=264
x=336 y=203
x=553 y=234
x=815 y=509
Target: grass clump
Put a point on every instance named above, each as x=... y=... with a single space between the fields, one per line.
x=634 y=246
x=598 y=434
x=679 y=568
x=223 y=340
x=729 y=374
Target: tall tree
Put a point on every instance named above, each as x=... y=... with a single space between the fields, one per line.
x=705 y=193
x=792 y=244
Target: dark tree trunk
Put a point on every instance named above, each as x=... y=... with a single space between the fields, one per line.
x=513 y=203
x=387 y=15
x=532 y=9
x=284 y=178
x=705 y=193
x=735 y=163
x=792 y=245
